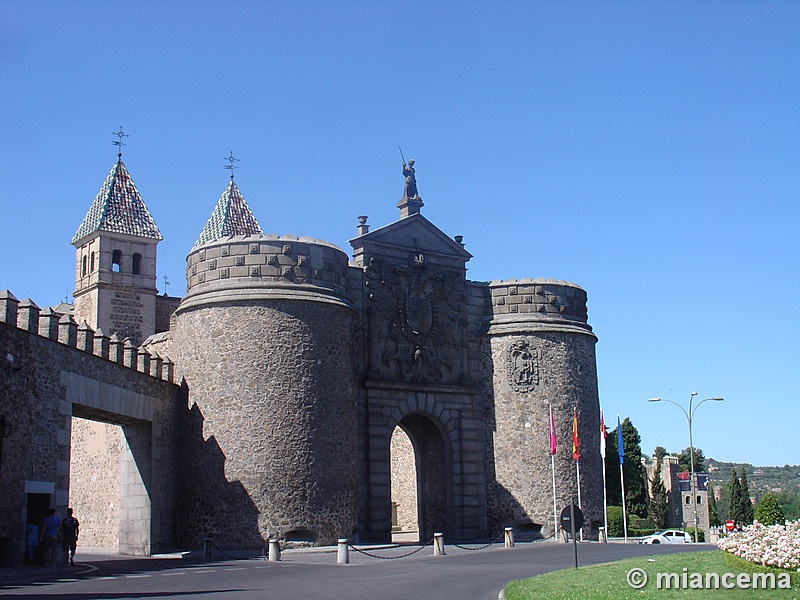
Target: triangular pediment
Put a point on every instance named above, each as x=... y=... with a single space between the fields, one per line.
x=411 y=234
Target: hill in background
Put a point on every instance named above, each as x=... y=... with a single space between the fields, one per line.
x=760 y=479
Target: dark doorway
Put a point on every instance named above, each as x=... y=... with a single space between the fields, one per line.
x=430 y=459
x=36 y=509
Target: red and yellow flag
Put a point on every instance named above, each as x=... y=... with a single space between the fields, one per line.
x=575 y=454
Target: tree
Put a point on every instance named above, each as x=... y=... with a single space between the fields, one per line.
x=684 y=460
x=713 y=512
x=659 y=453
x=635 y=491
x=747 y=505
x=769 y=511
x=658 y=510
x=735 y=499
x=790 y=504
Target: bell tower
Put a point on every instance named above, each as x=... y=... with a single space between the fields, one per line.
x=115 y=261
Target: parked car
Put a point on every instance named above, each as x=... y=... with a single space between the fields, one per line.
x=668 y=536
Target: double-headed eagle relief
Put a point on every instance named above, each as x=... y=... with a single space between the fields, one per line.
x=417 y=322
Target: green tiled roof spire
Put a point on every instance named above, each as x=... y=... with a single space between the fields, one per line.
x=231 y=216
x=118 y=208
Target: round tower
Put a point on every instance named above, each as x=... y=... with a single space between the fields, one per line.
x=263 y=340
x=540 y=353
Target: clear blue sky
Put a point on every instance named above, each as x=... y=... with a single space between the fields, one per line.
x=648 y=151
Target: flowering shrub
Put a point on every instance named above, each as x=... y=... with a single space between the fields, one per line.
x=770 y=546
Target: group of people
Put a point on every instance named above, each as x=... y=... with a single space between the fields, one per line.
x=53 y=531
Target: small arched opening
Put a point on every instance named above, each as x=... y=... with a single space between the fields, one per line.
x=136 y=263
x=116 y=260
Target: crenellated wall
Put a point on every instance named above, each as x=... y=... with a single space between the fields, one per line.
x=53 y=371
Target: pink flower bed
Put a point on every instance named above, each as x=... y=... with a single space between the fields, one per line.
x=770 y=546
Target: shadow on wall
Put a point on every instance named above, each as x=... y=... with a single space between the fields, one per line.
x=502 y=508
x=210 y=505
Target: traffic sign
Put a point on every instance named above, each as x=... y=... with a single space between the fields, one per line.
x=566 y=522
x=729 y=525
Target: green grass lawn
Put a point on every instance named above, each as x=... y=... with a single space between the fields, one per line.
x=609 y=581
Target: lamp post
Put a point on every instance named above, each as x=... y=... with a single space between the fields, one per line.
x=689 y=417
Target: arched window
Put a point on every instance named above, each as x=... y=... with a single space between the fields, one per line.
x=91 y=264
x=116 y=259
x=136 y=264
x=688 y=499
x=699 y=499
x=83 y=267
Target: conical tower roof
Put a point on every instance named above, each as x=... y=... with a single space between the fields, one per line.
x=118 y=208
x=231 y=216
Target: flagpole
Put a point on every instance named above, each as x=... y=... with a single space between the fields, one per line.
x=621 y=450
x=576 y=455
x=578 y=473
x=603 y=455
x=553 y=468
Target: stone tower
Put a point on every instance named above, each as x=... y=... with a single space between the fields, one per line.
x=263 y=340
x=115 y=262
x=540 y=352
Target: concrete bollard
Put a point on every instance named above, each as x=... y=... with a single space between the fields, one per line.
x=509 y=537
x=601 y=536
x=274 y=551
x=438 y=544
x=207 y=541
x=343 y=553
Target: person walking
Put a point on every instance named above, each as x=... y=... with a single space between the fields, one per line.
x=69 y=537
x=31 y=541
x=49 y=540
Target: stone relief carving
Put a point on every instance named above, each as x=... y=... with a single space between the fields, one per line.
x=522 y=363
x=417 y=327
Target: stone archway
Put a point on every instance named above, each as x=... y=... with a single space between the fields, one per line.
x=428 y=443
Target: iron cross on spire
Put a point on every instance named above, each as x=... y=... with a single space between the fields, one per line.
x=119 y=143
x=231 y=166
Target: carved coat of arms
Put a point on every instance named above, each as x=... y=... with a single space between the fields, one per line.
x=416 y=328
x=523 y=366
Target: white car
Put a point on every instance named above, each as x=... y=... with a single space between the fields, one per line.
x=669 y=536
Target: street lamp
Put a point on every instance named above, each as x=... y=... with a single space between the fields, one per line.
x=689 y=417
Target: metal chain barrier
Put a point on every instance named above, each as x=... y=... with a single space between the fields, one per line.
x=365 y=553
x=497 y=539
x=222 y=552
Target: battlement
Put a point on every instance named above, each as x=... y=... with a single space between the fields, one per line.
x=535 y=303
x=254 y=266
x=63 y=329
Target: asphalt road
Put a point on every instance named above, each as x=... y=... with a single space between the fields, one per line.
x=303 y=574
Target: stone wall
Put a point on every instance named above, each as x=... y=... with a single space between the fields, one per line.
x=404 y=481
x=51 y=371
x=540 y=352
x=267 y=354
x=94 y=481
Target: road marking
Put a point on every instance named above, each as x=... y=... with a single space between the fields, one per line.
x=234 y=568
x=171 y=573
x=137 y=576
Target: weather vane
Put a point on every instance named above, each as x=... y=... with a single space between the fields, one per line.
x=231 y=166
x=166 y=283
x=119 y=143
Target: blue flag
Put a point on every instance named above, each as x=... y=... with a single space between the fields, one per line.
x=619 y=442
